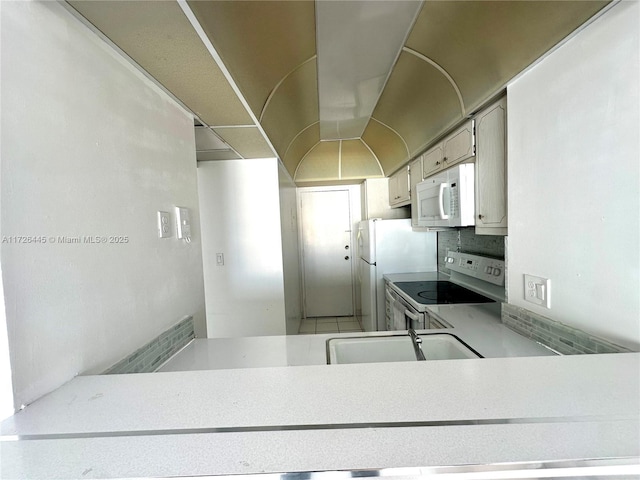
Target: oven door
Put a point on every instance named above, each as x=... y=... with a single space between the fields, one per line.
x=401 y=315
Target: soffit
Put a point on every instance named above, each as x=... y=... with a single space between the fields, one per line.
x=260 y=42
x=482 y=45
x=159 y=37
x=247 y=141
x=209 y=146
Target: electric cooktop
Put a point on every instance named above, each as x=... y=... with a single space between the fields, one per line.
x=440 y=292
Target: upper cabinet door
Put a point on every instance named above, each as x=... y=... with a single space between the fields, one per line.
x=399 y=193
x=491 y=170
x=460 y=145
x=432 y=161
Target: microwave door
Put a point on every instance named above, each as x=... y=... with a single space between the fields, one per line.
x=434 y=205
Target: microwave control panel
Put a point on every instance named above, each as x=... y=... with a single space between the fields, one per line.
x=488 y=269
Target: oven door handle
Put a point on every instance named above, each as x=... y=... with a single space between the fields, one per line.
x=411 y=315
x=390 y=297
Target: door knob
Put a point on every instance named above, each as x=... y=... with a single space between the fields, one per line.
x=346 y=257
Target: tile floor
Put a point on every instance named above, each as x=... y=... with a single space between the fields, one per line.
x=330 y=325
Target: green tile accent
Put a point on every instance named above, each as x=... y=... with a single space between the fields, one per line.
x=149 y=357
x=558 y=336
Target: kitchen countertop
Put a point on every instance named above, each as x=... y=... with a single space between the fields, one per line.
x=329 y=417
x=477 y=325
x=209 y=411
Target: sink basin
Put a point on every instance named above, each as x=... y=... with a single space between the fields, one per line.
x=396 y=348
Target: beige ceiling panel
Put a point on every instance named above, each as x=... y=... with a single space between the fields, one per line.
x=321 y=163
x=387 y=145
x=158 y=36
x=299 y=147
x=292 y=108
x=357 y=161
x=419 y=103
x=483 y=44
x=247 y=141
x=260 y=42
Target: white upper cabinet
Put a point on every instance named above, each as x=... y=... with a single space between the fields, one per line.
x=399 y=193
x=432 y=160
x=491 y=169
x=459 y=146
x=455 y=148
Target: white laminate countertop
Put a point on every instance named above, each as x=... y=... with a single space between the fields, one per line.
x=329 y=417
x=479 y=326
x=210 y=411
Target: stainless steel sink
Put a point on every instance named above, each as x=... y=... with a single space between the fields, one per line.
x=396 y=348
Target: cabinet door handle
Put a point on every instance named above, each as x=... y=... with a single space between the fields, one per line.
x=437 y=163
x=480 y=216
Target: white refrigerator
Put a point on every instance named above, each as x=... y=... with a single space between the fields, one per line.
x=389 y=246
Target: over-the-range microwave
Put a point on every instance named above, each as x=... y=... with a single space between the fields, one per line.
x=447 y=198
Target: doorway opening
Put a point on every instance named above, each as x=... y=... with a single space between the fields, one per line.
x=329 y=217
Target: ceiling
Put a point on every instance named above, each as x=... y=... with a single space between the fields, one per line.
x=338 y=90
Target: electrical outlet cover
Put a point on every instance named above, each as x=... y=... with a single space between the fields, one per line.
x=537 y=290
x=164 y=224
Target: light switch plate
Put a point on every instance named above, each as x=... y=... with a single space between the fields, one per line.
x=164 y=224
x=537 y=290
x=183 y=223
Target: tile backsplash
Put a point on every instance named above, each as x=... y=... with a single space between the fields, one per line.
x=466 y=240
x=558 y=336
x=149 y=357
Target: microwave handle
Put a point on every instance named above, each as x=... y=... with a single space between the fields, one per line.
x=441 y=202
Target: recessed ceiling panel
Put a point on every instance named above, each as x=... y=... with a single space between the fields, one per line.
x=483 y=44
x=260 y=42
x=419 y=103
x=159 y=37
x=292 y=108
x=321 y=163
x=387 y=145
x=247 y=141
x=299 y=147
x=357 y=161
x=358 y=43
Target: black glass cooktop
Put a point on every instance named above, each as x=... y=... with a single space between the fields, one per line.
x=440 y=292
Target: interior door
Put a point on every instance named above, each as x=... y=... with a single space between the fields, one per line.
x=327 y=253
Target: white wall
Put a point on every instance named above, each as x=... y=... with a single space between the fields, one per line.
x=90 y=147
x=574 y=201
x=290 y=251
x=240 y=217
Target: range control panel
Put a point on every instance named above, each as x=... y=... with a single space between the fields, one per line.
x=488 y=269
